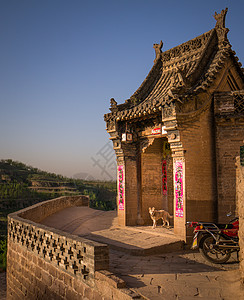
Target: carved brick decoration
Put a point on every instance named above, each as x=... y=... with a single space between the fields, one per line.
x=168 y=111
x=73 y=256
x=238 y=102
x=220 y=27
x=242 y=156
x=158 y=51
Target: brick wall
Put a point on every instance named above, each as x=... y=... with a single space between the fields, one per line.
x=45 y=263
x=32 y=277
x=151 y=180
x=228 y=142
x=42 y=210
x=131 y=192
x=240 y=202
x=151 y=168
x=197 y=137
x=229 y=138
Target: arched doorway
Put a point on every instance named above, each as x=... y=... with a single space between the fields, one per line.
x=156 y=178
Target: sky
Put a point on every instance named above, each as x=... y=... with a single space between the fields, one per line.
x=63 y=60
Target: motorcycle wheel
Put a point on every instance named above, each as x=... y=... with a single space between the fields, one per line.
x=215 y=256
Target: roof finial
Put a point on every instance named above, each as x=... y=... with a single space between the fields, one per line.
x=220 y=27
x=220 y=18
x=113 y=105
x=158 y=51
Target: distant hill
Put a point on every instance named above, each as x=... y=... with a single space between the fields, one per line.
x=22 y=186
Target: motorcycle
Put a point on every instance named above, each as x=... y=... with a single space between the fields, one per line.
x=216 y=242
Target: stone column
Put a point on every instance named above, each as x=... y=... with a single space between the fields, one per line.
x=128 y=185
x=127 y=181
x=170 y=122
x=128 y=176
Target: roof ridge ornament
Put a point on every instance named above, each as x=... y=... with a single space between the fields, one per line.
x=113 y=105
x=158 y=50
x=220 y=18
x=220 y=27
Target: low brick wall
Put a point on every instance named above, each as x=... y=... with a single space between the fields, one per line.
x=45 y=263
x=42 y=210
x=240 y=203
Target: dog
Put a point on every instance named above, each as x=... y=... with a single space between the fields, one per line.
x=159 y=214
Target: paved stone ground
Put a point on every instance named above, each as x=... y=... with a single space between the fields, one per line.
x=101 y=226
x=183 y=276
x=3 y=286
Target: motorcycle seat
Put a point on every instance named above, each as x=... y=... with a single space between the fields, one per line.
x=225 y=226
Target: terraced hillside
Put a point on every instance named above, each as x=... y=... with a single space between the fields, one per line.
x=22 y=186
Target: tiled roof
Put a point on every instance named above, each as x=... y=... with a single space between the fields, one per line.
x=188 y=68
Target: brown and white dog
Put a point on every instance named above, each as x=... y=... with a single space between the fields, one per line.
x=159 y=214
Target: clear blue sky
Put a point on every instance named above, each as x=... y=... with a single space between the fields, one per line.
x=62 y=60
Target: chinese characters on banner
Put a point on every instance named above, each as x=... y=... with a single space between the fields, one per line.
x=164 y=176
x=179 y=188
x=121 y=187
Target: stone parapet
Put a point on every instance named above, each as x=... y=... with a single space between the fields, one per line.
x=42 y=210
x=46 y=263
x=32 y=277
x=70 y=253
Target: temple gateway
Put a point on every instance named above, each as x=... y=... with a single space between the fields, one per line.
x=177 y=137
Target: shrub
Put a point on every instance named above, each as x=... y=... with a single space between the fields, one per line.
x=3 y=253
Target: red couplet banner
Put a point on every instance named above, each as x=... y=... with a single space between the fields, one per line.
x=164 y=176
x=179 y=189
x=121 y=187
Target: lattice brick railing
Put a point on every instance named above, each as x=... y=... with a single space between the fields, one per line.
x=77 y=256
